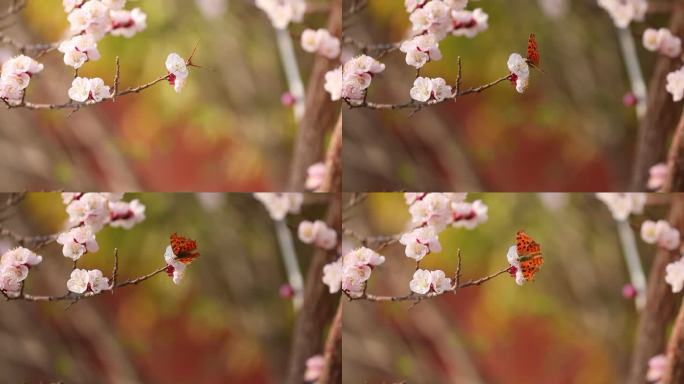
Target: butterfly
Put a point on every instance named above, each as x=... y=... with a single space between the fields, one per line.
x=529 y=255
x=185 y=249
x=533 y=55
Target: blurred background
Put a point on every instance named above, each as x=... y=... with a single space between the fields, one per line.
x=571 y=325
x=570 y=131
x=224 y=323
x=227 y=130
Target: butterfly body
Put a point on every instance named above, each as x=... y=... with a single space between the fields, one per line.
x=529 y=255
x=184 y=249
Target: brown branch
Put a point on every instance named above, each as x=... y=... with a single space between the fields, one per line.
x=674 y=373
x=662 y=112
x=332 y=371
x=415 y=297
x=417 y=105
x=70 y=296
x=321 y=112
x=318 y=307
x=379 y=50
x=28 y=241
x=660 y=304
x=333 y=161
x=675 y=161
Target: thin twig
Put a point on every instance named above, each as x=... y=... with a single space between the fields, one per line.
x=417 y=297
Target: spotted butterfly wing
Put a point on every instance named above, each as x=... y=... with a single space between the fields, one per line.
x=185 y=249
x=529 y=255
x=533 y=55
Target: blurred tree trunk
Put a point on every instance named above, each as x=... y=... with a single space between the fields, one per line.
x=320 y=111
x=660 y=304
x=662 y=114
x=318 y=307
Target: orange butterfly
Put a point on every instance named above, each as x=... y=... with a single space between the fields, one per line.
x=533 y=55
x=185 y=249
x=529 y=255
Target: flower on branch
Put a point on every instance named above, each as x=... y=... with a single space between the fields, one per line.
x=77 y=242
x=82 y=281
x=15 y=77
x=674 y=275
x=420 y=50
x=663 y=42
x=78 y=50
x=357 y=74
x=315 y=176
x=469 y=23
x=283 y=12
x=657 y=176
x=621 y=205
x=420 y=242
x=279 y=205
x=84 y=90
x=314 y=368
x=520 y=72
x=660 y=233
x=623 y=12
x=128 y=23
x=178 y=71
x=14 y=268
x=126 y=215
x=317 y=233
x=357 y=266
x=426 y=89
x=320 y=41
x=425 y=281
x=675 y=84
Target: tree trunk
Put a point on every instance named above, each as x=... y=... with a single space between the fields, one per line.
x=662 y=114
x=320 y=114
x=318 y=307
x=660 y=305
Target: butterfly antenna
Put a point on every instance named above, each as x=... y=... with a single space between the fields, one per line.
x=192 y=55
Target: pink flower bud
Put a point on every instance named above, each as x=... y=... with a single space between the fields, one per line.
x=287 y=99
x=629 y=99
x=628 y=291
x=286 y=291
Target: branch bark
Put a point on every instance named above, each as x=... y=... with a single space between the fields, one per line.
x=333 y=161
x=332 y=372
x=318 y=307
x=675 y=353
x=320 y=114
x=675 y=161
x=660 y=304
x=662 y=113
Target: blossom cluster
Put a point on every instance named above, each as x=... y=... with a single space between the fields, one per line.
x=317 y=233
x=322 y=42
x=424 y=282
x=279 y=205
x=662 y=41
x=623 y=12
x=441 y=17
x=660 y=233
x=621 y=205
x=89 y=213
x=15 y=77
x=355 y=77
x=431 y=213
x=426 y=89
x=90 y=21
x=84 y=89
x=431 y=22
x=82 y=281
x=14 y=269
x=283 y=12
